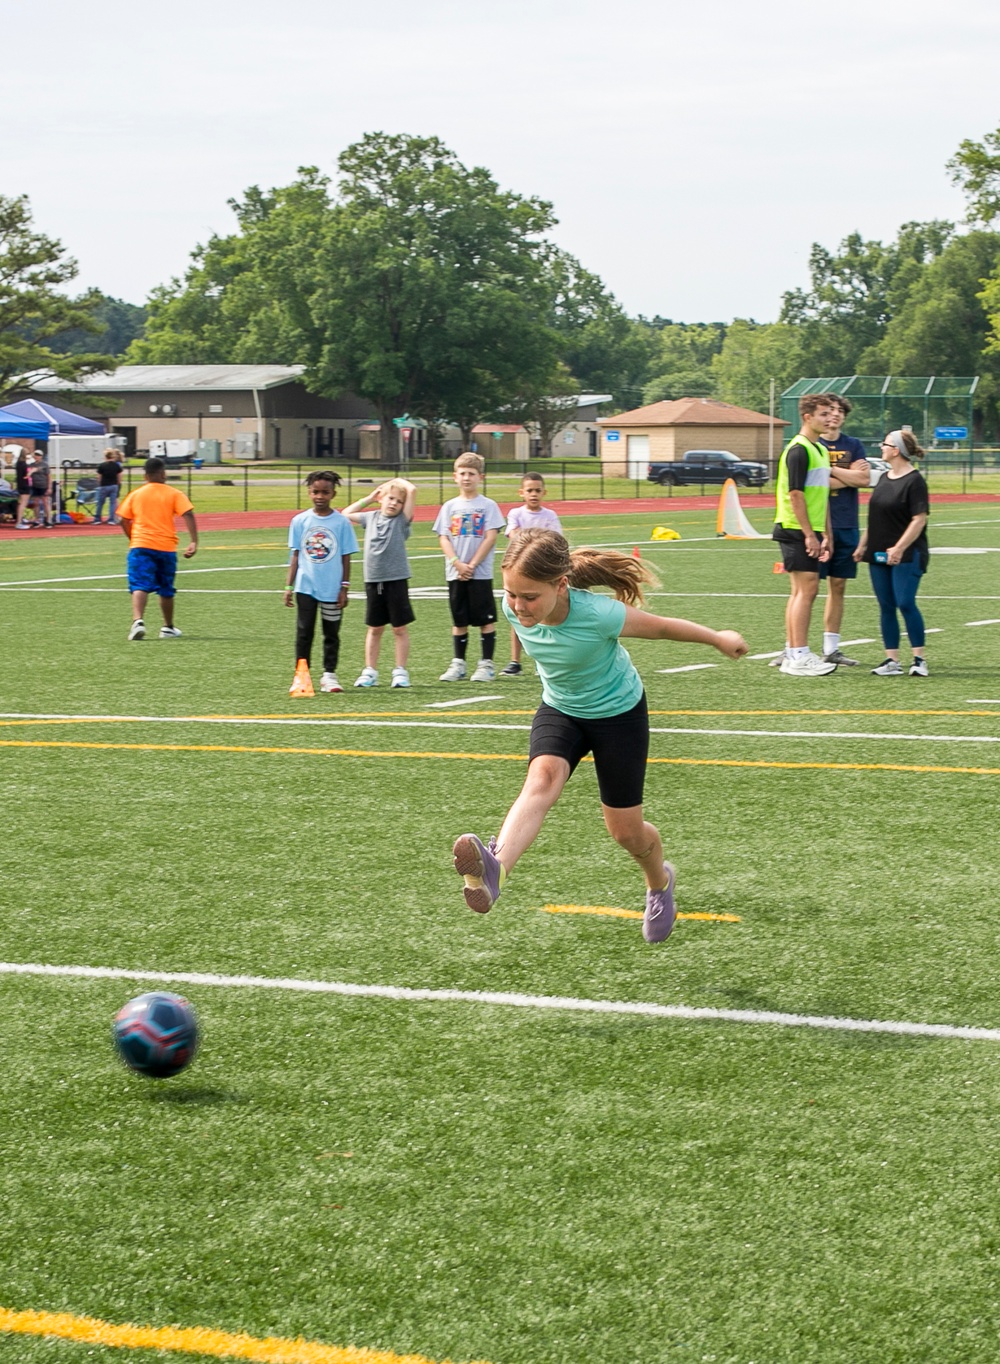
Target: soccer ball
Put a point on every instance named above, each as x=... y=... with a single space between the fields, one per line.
x=156 y=1034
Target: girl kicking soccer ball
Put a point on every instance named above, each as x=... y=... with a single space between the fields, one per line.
x=592 y=702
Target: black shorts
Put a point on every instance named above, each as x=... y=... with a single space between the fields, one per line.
x=841 y=564
x=793 y=551
x=472 y=602
x=619 y=744
x=388 y=603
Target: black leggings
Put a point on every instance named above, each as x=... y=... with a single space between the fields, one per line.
x=305 y=627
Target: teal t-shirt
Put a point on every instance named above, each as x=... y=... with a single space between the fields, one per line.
x=584 y=670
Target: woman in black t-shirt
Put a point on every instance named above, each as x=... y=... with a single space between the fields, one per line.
x=894 y=546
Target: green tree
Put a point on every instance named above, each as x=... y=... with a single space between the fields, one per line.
x=975 y=168
x=120 y=324
x=682 y=363
x=751 y=356
x=943 y=326
x=246 y=297
x=549 y=409
x=605 y=350
x=855 y=291
x=34 y=311
x=432 y=294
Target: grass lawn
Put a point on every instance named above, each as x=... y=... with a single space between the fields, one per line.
x=470 y=1181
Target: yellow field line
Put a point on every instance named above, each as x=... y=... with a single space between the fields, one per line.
x=611 y=912
x=493 y=757
x=471 y=714
x=193 y=1340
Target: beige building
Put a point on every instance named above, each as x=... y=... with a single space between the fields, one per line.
x=666 y=431
x=254 y=411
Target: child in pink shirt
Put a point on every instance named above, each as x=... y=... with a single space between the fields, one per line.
x=531 y=516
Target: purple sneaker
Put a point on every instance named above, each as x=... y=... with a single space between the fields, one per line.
x=658 y=919
x=480 y=866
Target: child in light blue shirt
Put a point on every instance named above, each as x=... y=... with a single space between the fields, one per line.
x=321 y=541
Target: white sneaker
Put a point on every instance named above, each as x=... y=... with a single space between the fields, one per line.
x=485 y=671
x=368 y=678
x=890 y=668
x=777 y=661
x=328 y=682
x=169 y=632
x=400 y=678
x=455 y=671
x=809 y=665
x=918 y=668
x=138 y=630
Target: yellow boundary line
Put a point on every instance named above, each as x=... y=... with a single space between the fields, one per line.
x=199 y=1340
x=612 y=912
x=493 y=757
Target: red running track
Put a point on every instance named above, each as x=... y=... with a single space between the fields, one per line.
x=278 y=520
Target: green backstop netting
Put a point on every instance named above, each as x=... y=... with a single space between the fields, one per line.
x=884 y=402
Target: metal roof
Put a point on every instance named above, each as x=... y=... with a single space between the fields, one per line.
x=178 y=378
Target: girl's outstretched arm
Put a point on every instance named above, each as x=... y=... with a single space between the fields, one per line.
x=643 y=625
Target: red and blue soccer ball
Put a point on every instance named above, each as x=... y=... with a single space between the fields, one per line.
x=156 y=1034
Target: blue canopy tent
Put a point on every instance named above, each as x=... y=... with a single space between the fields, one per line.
x=13 y=426
x=58 y=421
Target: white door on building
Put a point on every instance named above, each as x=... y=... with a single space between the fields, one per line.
x=637 y=454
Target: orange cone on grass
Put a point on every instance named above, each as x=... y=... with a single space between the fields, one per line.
x=302 y=683
x=635 y=552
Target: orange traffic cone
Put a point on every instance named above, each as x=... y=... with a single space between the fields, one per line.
x=778 y=568
x=635 y=552
x=302 y=683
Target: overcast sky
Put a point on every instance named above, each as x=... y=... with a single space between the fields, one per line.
x=693 y=152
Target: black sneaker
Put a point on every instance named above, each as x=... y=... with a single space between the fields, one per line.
x=512 y=670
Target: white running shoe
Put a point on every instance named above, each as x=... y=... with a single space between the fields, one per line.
x=400 y=678
x=485 y=671
x=169 y=632
x=918 y=668
x=777 y=661
x=455 y=671
x=890 y=668
x=368 y=678
x=328 y=682
x=809 y=665
x=138 y=630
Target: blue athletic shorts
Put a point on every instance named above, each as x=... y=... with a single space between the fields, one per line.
x=152 y=570
x=842 y=564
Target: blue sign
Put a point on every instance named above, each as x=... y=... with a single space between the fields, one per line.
x=951 y=432
x=612 y=435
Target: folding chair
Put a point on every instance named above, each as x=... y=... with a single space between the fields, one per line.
x=85 y=494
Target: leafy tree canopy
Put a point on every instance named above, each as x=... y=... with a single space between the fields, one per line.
x=34 y=311
x=975 y=168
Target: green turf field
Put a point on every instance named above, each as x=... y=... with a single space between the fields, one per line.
x=475 y=1181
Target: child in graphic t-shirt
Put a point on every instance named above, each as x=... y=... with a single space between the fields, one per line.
x=386 y=572
x=531 y=516
x=467 y=527
x=321 y=541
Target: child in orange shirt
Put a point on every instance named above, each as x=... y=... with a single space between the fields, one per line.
x=147 y=518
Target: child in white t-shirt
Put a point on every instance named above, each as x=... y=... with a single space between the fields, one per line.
x=467 y=527
x=531 y=516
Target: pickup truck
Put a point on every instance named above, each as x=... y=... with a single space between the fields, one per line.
x=709 y=466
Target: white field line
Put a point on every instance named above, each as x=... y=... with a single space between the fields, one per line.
x=991 y=521
x=181 y=573
x=983 y=702
x=982 y=622
x=465 y=701
x=509 y=999
x=688 y=668
x=361 y=722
